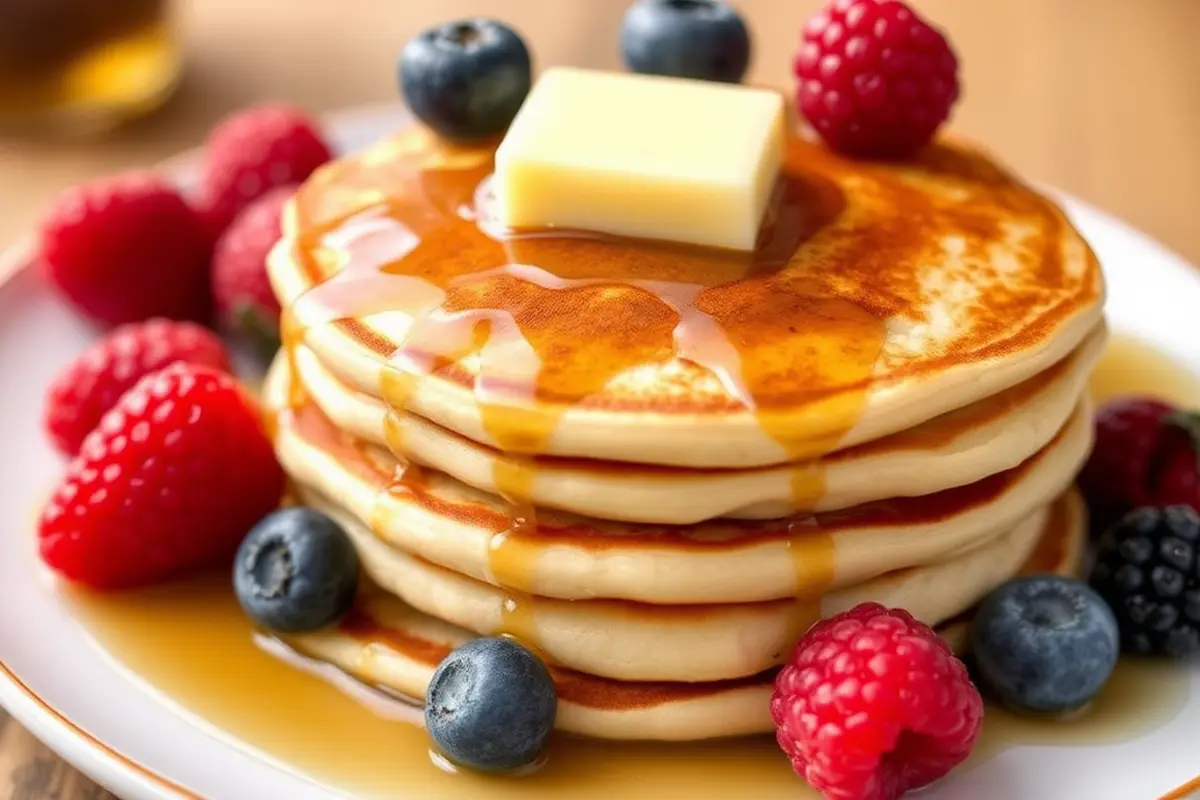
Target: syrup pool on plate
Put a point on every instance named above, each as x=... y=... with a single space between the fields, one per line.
x=191 y=644
x=1132 y=367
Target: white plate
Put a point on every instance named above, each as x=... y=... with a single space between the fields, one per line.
x=55 y=682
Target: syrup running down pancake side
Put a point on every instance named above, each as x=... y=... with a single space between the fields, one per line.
x=472 y=294
x=865 y=275
x=538 y=324
x=723 y=561
x=191 y=643
x=955 y=449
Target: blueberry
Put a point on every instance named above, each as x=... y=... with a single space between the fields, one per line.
x=702 y=39
x=1044 y=643
x=466 y=79
x=491 y=706
x=296 y=571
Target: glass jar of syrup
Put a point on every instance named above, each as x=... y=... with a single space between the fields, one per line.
x=79 y=65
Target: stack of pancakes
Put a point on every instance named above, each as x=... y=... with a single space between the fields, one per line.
x=657 y=465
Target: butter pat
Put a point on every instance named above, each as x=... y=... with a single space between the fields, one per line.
x=641 y=156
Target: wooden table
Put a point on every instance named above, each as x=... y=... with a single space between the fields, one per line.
x=1097 y=97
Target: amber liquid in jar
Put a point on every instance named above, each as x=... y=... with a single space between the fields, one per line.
x=78 y=65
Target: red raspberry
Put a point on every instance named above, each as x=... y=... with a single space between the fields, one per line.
x=91 y=384
x=245 y=300
x=1146 y=454
x=875 y=80
x=127 y=248
x=252 y=152
x=170 y=482
x=872 y=704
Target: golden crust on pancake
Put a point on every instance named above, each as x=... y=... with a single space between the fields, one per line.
x=957 y=448
x=880 y=296
x=680 y=642
x=389 y=644
x=445 y=522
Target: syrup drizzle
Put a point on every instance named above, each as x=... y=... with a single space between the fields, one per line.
x=542 y=322
x=191 y=642
x=378 y=264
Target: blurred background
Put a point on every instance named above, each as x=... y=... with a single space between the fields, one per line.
x=1098 y=97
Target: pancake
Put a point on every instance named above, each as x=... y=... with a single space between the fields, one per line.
x=880 y=296
x=386 y=643
x=957 y=448
x=642 y=642
x=443 y=521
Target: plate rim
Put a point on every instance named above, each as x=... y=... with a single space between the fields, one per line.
x=82 y=749
x=130 y=778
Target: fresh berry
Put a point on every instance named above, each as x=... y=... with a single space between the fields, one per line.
x=93 y=383
x=491 y=706
x=127 y=248
x=872 y=703
x=875 y=80
x=1044 y=643
x=702 y=39
x=245 y=301
x=169 y=483
x=251 y=153
x=1147 y=570
x=466 y=79
x=1146 y=454
x=296 y=571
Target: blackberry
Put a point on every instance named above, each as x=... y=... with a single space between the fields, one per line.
x=1147 y=570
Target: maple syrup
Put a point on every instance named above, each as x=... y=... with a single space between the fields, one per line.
x=1130 y=366
x=291 y=335
x=79 y=60
x=190 y=642
x=549 y=318
x=433 y=252
x=424 y=248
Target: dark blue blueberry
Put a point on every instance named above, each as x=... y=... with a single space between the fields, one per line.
x=466 y=79
x=702 y=39
x=491 y=706
x=1044 y=643
x=296 y=571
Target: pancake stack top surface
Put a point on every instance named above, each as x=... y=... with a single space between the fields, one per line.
x=656 y=464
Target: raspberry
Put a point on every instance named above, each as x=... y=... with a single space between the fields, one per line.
x=1146 y=454
x=169 y=483
x=1146 y=570
x=251 y=153
x=875 y=80
x=127 y=248
x=245 y=301
x=872 y=704
x=92 y=383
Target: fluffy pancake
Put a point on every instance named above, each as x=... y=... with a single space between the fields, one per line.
x=387 y=643
x=441 y=520
x=880 y=296
x=642 y=642
x=957 y=448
